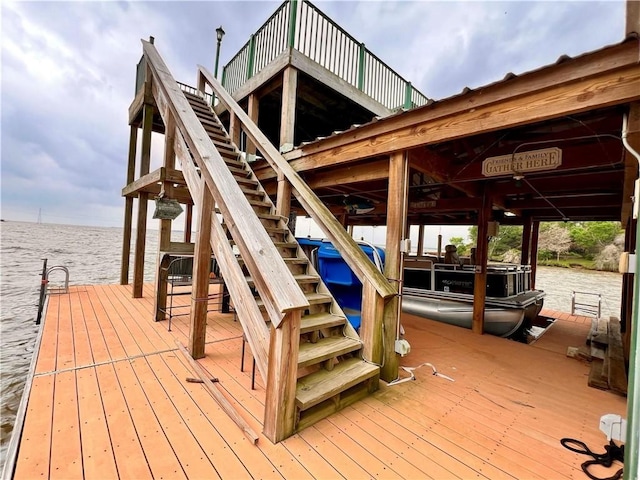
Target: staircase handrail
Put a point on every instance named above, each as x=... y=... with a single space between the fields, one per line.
x=341 y=240
x=277 y=287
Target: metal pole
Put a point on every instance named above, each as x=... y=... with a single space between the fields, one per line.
x=215 y=70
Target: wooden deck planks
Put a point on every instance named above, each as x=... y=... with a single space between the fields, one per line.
x=160 y=457
x=128 y=454
x=66 y=448
x=98 y=459
x=35 y=446
x=160 y=396
x=110 y=400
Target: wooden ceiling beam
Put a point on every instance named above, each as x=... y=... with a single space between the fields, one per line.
x=159 y=175
x=364 y=172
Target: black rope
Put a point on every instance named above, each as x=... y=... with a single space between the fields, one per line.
x=612 y=452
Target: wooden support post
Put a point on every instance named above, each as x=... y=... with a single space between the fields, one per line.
x=282 y=376
x=535 y=231
x=628 y=195
x=397 y=201
x=632 y=18
x=420 y=250
x=164 y=234
x=253 y=112
x=626 y=305
x=288 y=112
x=128 y=208
x=234 y=128
x=287 y=129
x=201 y=267
x=188 y=220
x=283 y=200
x=526 y=241
x=141 y=229
x=482 y=254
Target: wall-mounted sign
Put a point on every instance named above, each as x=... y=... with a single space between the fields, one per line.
x=521 y=162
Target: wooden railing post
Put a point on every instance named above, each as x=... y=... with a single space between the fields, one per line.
x=280 y=401
x=371 y=315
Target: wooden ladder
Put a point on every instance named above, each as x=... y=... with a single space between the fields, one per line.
x=331 y=372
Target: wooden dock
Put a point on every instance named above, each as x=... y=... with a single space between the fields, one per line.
x=109 y=400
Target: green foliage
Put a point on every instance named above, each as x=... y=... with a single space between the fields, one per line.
x=579 y=243
x=463 y=248
x=590 y=237
x=509 y=237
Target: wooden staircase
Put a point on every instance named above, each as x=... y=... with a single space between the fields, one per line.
x=331 y=371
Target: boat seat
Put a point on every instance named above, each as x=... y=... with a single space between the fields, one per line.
x=451 y=255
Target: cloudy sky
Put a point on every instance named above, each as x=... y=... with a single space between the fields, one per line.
x=68 y=74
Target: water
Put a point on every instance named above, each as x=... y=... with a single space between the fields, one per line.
x=92 y=255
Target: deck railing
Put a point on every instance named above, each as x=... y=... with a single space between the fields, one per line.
x=301 y=26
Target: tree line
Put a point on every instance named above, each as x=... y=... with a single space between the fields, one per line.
x=588 y=244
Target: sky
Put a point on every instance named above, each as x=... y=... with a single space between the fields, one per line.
x=68 y=74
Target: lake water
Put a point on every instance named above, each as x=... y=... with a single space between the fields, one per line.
x=93 y=254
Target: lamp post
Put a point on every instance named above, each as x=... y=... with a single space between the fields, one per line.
x=219 y=35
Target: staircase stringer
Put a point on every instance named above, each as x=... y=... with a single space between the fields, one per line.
x=273 y=280
x=348 y=330
x=249 y=315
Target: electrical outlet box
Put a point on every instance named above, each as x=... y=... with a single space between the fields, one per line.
x=402 y=347
x=405 y=246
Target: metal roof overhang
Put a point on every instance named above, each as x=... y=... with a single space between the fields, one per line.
x=576 y=106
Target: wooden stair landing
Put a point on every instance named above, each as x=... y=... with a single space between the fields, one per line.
x=110 y=400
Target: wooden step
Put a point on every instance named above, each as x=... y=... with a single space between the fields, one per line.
x=210 y=121
x=276 y=231
x=252 y=192
x=247 y=181
x=239 y=171
x=317 y=321
x=224 y=146
x=324 y=349
x=312 y=297
x=270 y=216
x=324 y=384
x=301 y=279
